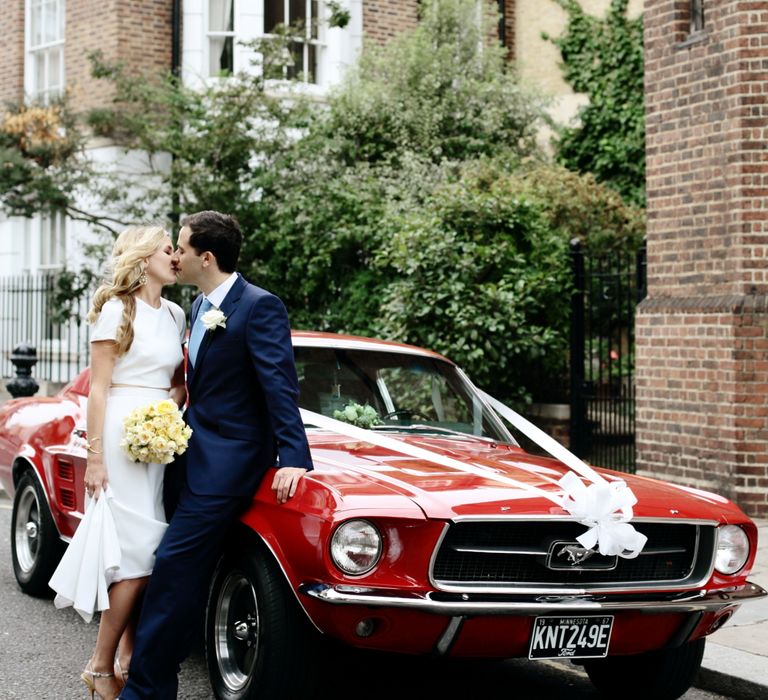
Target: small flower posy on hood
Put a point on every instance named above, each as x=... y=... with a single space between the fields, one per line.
x=213 y=319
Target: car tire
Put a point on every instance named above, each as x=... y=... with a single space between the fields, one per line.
x=36 y=548
x=258 y=642
x=661 y=675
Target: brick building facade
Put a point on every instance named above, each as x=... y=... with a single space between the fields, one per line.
x=702 y=333
x=136 y=32
x=139 y=33
x=383 y=19
x=12 y=40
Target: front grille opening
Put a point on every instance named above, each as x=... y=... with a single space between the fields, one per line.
x=515 y=553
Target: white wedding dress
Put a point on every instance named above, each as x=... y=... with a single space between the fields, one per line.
x=120 y=532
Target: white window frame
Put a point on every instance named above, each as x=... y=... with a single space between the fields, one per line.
x=52 y=241
x=46 y=49
x=219 y=34
x=307 y=40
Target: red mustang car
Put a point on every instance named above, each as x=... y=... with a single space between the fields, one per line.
x=386 y=551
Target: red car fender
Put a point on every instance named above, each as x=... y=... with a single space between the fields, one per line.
x=29 y=459
x=295 y=548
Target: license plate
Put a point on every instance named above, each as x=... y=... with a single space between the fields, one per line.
x=570 y=637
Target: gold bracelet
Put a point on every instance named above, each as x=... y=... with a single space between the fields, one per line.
x=89 y=448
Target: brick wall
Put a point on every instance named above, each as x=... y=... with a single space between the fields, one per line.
x=137 y=32
x=385 y=19
x=702 y=333
x=12 y=42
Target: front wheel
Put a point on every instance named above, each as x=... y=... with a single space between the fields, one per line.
x=661 y=675
x=35 y=545
x=258 y=643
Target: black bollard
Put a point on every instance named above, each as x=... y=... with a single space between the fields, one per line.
x=24 y=358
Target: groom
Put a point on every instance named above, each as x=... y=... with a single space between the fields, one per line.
x=243 y=390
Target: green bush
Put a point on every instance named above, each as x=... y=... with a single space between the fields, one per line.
x=479 y=275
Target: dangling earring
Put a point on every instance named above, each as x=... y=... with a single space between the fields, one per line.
x=142 y=278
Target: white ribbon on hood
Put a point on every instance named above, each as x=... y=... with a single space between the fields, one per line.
x=605 y=507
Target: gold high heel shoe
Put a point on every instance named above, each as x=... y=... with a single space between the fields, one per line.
x=121 y=675
x=89 y=676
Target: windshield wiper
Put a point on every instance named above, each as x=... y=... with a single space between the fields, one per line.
x=420 y=427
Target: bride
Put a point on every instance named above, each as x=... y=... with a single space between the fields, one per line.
x=136 y=359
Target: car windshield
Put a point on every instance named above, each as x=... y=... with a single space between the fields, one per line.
x=408 y=392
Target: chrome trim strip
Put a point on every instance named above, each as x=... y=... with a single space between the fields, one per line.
x=619 y=587
x=529 y=552
x=571 y=604
x=372 y=346
x=566 y=518
x=438 y=544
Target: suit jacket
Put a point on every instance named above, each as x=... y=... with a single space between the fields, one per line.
x=243 y=395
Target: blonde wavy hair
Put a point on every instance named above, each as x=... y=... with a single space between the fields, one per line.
x=131 y=248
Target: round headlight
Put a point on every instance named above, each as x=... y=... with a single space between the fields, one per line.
x=356 y=547
x=732 y=549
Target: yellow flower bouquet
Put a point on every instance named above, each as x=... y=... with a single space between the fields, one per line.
x=155 y=433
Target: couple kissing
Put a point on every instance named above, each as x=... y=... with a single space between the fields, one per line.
x=240 y=390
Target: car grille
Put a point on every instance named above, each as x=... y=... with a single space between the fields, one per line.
x=528 y=553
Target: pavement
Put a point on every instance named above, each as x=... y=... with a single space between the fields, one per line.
x=736 y=656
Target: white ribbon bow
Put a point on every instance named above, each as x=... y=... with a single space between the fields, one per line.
x=605 y=508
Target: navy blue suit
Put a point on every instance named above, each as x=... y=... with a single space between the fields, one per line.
x=243 y=410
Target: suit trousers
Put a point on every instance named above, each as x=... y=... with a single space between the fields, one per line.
x=177 y=591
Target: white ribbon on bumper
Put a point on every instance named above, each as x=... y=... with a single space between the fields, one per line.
x=605 y=507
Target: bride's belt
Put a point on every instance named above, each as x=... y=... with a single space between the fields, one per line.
x=125 y=389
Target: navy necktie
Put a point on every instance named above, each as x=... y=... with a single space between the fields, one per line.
x=198 y=332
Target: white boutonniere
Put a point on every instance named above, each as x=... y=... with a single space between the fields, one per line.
x=213 y=319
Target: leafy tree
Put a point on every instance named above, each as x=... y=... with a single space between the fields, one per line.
x=479 y=277
x=37 y=144
x=603 y=58
x=404 y=118
x=441 y=91
x=481 y=270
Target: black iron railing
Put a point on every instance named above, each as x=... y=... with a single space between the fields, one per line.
x=607 y=289
x=31 y=311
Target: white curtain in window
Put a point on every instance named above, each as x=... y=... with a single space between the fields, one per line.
x=221 y=42
x=220 y=16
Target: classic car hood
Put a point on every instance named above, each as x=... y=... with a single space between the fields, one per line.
x=355 y=470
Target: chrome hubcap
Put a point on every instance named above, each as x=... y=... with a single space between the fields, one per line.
x=236 y=631
x=27 y=529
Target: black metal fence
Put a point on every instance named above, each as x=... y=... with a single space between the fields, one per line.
x=31 y=310
x=607 y=290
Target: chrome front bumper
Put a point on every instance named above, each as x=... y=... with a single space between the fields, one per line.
x=477 y=604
